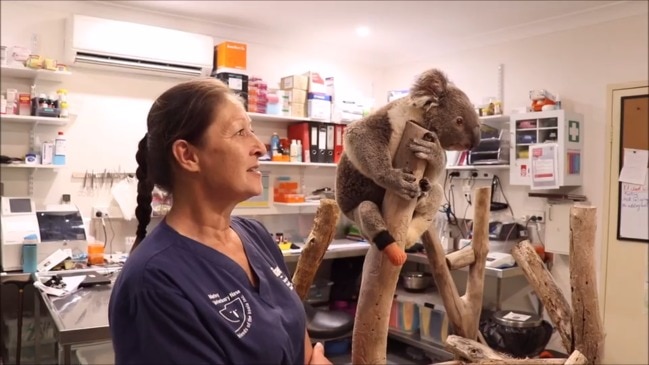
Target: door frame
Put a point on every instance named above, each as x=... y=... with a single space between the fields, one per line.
x=606 y=211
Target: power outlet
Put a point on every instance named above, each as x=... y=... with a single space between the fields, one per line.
x=100 y=211
x=539 y=214
x=476 y=175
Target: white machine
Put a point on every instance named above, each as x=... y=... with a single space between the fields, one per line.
x=61 y=228
x=18 y=222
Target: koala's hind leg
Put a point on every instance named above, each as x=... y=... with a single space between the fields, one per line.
x=424 y=214
x=371 y=223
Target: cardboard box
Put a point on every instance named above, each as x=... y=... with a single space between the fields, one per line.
x=319 y=106
x=296 y=96
x=230 y=55
x=316 y=84
x=237 y=83
x=299 y=82
x=294 y=110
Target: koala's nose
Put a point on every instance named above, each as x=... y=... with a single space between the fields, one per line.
x=476 y=137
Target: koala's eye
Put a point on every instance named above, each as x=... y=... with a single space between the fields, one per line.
x=459 y=120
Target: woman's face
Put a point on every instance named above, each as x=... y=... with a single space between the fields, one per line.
x=228 y=157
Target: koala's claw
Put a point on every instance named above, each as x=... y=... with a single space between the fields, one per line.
x=402 y=183
x=425 y=185
x=429 y=137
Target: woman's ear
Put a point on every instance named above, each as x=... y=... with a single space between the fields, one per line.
x=186 y=155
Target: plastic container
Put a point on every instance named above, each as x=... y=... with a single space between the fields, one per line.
x=30 y=261
x=404 y=316
x=433 y=324
x=96 y=253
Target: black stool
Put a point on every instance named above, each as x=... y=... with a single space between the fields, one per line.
x=327 y=325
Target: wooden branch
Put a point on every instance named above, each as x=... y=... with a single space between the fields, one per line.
x=380 y=276
x=443 y=280
x=460 y=258
x=463 y=313
x=587 y=328
x=472 y=350
x=316 y=245
x=546 y=289
x=475 y=281
x=576 y=358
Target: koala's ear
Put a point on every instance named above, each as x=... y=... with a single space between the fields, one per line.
x=429 y=87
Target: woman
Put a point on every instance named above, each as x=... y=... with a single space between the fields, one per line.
x=204 y=287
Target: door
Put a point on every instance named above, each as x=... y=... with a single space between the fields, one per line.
x=624 y=263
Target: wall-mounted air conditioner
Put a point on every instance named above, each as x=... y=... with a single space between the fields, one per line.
x=137 y=48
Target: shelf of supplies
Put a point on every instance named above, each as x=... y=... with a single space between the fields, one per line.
x=27 y=166
x=478 y=167
x=28 y=73
x=28 y=119
x=301 y=164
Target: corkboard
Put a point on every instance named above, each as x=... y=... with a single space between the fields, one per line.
x=634 y=133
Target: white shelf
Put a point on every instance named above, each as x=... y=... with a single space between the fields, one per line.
x=268 y=118
x=26 y=119
x=28 y=73
x=304 y=204
x=26 y=166
x=478 y=167
x=495 y=119
x=300 y=164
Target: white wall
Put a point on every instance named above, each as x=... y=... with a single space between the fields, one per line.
x=576 y=64
x=111 y=108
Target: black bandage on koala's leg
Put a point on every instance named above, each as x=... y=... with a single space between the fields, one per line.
x=383 y=239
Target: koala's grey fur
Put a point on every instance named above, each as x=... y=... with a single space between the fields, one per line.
x=365 y=169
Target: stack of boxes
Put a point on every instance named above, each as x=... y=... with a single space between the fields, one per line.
x=293 y=95
x=230 y=62
x=306 y=96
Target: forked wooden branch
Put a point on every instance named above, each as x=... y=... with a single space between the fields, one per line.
x=546 y=289
x=463 y=312
x=316 y=245
x=587 y=328
x=380 y=276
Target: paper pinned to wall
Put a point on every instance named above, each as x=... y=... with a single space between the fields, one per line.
x=634 y=166
x=634 y=210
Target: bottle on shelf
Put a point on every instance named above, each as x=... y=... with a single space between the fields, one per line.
x=299 y=151
x=59 y=149
x=274 y=146
x=293 y=151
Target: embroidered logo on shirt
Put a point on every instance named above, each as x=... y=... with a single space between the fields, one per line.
x=235 y=309
x=280 y=274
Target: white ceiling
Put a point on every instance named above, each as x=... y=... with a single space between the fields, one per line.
x=401 y=31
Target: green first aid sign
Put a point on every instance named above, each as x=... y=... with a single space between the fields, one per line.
x=573 y=131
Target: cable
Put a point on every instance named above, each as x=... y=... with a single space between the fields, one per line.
x=103 y=225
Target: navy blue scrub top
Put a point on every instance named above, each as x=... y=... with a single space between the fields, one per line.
x=179 y=301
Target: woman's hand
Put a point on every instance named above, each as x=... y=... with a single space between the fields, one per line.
x=318 y=356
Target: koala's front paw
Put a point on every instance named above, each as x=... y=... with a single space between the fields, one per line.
x=426 y=149
x=402 y=183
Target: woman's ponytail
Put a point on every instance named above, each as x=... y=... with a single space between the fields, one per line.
x=144 y=192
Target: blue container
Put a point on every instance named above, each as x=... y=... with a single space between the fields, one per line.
x=29 y=257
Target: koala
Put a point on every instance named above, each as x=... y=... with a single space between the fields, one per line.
x=365 y=170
